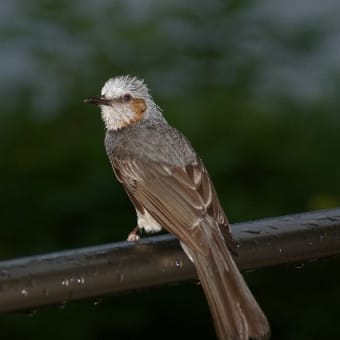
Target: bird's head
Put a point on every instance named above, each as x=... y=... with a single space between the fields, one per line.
x=124 y=101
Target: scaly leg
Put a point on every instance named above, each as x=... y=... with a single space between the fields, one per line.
x=134 y=235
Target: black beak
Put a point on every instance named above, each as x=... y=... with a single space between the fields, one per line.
x=98 y=100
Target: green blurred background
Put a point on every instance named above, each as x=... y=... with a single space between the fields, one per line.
x=255 y=87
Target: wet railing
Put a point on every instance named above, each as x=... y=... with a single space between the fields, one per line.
x=56 y=278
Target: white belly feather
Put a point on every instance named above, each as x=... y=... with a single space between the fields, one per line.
x=146 y=222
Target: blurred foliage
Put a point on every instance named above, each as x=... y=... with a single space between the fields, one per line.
x=252 y=86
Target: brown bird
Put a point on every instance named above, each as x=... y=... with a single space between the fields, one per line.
x=170 y=188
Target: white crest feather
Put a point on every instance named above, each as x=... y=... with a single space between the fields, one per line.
x=118 y=86
x=119 y=115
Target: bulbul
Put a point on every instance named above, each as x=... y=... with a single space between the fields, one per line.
x=170 y=188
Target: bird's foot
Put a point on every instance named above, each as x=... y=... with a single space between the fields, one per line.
x=134 y=236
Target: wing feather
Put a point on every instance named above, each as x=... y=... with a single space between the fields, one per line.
x=180 y=199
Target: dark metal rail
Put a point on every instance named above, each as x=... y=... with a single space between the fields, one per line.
x=56 y=278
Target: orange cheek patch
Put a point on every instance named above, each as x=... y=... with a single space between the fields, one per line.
x=138 y=107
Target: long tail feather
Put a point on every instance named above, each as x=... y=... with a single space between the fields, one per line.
x=236 y=314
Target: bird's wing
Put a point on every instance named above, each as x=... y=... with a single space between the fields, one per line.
x=181 y=199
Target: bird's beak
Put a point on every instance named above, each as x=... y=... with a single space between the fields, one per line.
x=98 y=100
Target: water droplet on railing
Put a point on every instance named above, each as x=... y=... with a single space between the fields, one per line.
x=322 y=236
x=179 y=264
x=65 y=282
x=24 y=292
x=97 y=301
x=81 y=280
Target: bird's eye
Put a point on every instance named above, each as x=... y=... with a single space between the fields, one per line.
x=127 y=97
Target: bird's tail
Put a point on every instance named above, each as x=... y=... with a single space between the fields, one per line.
x=236 y=314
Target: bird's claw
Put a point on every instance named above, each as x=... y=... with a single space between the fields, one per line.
x=133 y=236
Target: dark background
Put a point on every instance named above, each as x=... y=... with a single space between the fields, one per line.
x=255 y=87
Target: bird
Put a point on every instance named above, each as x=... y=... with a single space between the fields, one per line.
x=171 y=189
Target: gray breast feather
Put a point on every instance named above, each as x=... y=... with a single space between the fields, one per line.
x=155 y=141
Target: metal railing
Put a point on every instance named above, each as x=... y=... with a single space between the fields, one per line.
x=57 y=278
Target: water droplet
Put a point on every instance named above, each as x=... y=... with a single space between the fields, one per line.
x=24 y=292
x=179 y=264
x=81 y=280
x=97 y=301
x=65 y=282
x=322 y=236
